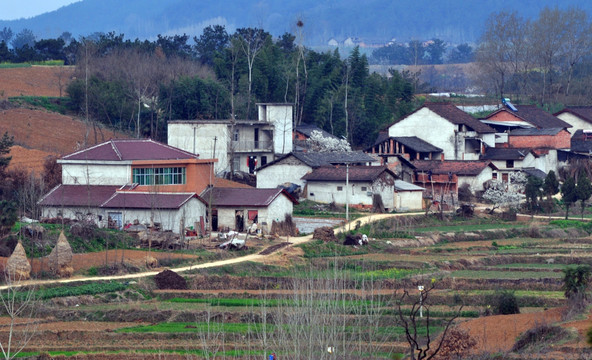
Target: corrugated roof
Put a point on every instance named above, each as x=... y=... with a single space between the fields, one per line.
x=137 y=200
x=252 y=197
x=535 y=132
x=583 y=112
x=133 y=149
x=463 y=168
x=455 y=115
x=401 y=185
x=534 y=115
x=338 y=173
x=504 y=154
x=317 y=159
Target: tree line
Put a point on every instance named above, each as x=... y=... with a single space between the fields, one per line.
x=139 y=85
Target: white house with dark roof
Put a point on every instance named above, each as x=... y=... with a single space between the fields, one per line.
x=579 y=117
x=445 y=127
x=292 y=167
x=237 y=209
x=408 y=197
x=120 y=181
x=330 y=184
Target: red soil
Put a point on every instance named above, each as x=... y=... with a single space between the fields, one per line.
x=35 y=81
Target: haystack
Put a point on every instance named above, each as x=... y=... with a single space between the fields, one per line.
x=325 y=233
x=60 y=258
x=17 y=265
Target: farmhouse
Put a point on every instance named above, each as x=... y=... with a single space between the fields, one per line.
x=508 y=160
x=247 y=143
x=527 y=116
x=447 y=176
x=292 y=167
x=365 y=184
x=579 y=117
x=446 y=128
x=121 y=181
x=238 y=209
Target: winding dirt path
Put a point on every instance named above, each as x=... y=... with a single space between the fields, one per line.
x=253 y=257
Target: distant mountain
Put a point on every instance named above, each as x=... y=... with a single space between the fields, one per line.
x=454 y=21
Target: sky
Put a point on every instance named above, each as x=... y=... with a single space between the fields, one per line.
x=16 y=9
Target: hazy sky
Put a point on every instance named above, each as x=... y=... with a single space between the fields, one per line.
x=16 y=9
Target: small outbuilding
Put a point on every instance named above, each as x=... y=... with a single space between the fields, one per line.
x=408 y=196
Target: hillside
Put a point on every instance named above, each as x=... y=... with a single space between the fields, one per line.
x=377 y=20
x=34 y=81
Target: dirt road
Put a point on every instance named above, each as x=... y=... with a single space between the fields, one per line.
x=253 y=257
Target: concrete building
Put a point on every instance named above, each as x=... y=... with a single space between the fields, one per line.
x=247 y=143
x=237 y=209
x=328 y=184
x=457 y=134
x=120 y=181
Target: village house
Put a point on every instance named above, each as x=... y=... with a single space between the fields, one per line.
x=457 y=134
x=579 y=117
x=446 y=177
x=389 y=148
x=122 y=181
x=290 y=168
x=408 y=197
x=509 y=160
x=247 y=143
x=360 y=186
x=525 y=116
x=237 y=209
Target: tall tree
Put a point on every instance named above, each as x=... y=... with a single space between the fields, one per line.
x=24 y=38
x=569 y=194
x=583 y=191
x=5 y=143
x=213 y=40
x=435 y=51
x=251 y=41
x=6 y=34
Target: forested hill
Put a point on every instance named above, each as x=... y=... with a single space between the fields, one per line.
x=453 y=21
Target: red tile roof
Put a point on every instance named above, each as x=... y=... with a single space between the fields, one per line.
x=535 y=116
x=137 y=200
x=108 y=197
x=338 y=173
x=455 y=115
x=133 y=149
x=78 y=195
x=243 y=197
x=462 y=168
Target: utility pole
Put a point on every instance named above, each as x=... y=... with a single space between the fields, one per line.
x=211 y=187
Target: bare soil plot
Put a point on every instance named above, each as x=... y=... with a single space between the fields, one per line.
x=35 y=81
x=29 y=159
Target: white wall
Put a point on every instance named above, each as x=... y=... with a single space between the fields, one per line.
x=279 y=173
x=408 y=200
x=326 y=192
x=574 y=121
x=94 y=174
x=281 y=116
x=277 y=210
x=476 y=182
x=429 y=127
x=181 y=135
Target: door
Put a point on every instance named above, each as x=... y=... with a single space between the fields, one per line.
x=115 y=220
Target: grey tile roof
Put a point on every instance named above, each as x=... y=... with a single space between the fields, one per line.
x=535 y=132
x=535 y=172
x=579 y=142
x=355 y=173
x=504 y=154
x=401 y=185
x=317 y=159
x=535 y=116
x=583 y=112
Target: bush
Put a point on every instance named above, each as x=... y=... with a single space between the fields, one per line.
x=539 y=335
x=575 y=280
x=464 y=193
x=506 y=303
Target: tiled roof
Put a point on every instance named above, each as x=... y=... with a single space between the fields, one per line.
x=307 y=130
x=78 y=195
x=417 y=144
x=338 y=173
x=504 y=154
x=317 y=159
x=535 y=132
x=108 y=197
x=535 y=116
x=133 y=149
x=243 y=197
x=463 y=168
x=535 y=172
x=225 y=183
x=583 y=112
x=401 y=185
x=579 y=142
x=455 y=115
x=137 y=200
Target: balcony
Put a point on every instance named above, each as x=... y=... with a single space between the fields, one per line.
x=252 y=146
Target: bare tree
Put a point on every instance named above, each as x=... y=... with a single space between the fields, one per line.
x=19 y=305
x=251 y=42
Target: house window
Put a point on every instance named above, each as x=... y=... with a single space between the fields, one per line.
x=236 y=163
x=340 y=188
x=364 y=188
x=509 y=164
x=494 y=176
x=235 y=136
x=263 y=160
x=159 y=176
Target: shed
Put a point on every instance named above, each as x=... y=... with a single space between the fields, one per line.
x=408 y=196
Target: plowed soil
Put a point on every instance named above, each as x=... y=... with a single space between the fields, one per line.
x=35 y=81
x=29 y=159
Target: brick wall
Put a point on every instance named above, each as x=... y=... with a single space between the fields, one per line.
x=559 y=141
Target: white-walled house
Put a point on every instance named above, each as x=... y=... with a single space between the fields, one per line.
x=249 y=144
x=292 y=167
x=328 y=184
x=238 y=208
x=121 y=181
x=579 y=117
x=444 y=126
x=408 y=196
